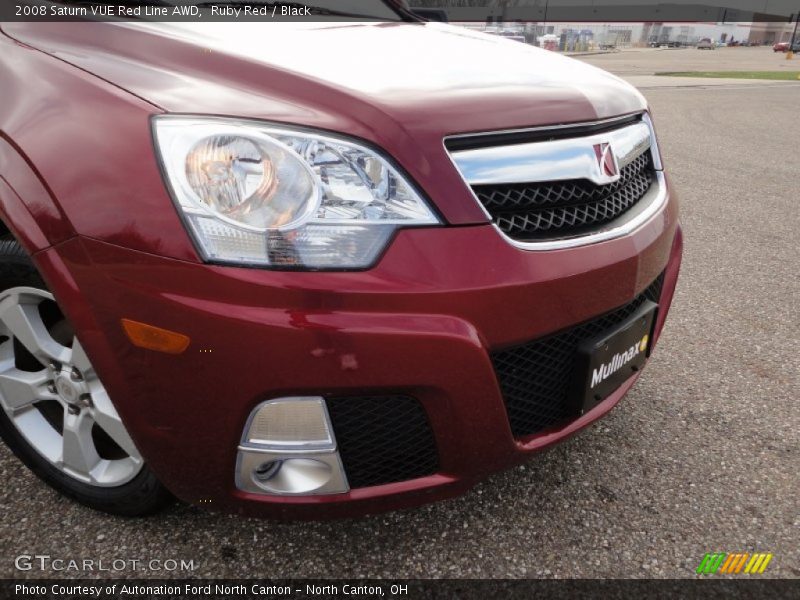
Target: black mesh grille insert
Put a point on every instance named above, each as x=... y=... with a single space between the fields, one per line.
x=383 y=439
x=535 y=377
x=536 y=211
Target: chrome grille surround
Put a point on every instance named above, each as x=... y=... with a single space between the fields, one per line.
x=564 y=159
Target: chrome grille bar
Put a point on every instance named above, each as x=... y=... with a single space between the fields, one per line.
x=565 y=159
x=556 y=160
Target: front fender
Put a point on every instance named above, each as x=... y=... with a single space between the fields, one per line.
x=26 y=205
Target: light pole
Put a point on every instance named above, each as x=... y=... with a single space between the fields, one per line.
x=790 y=53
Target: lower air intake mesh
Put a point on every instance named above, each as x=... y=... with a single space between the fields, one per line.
x=535 y=377
x=383 y=439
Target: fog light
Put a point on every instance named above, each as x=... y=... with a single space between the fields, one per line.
x=267 y=471
x=290 y=422
x=293 y=475
x=288 y=448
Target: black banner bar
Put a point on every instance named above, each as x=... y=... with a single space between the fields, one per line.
x=540 y=11
x=708 y=588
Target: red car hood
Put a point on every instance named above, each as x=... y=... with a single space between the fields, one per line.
x=412 y=78
x=402 y=86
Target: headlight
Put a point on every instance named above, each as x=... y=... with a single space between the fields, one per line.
x=260 y=194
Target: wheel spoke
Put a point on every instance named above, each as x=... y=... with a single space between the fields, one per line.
x=80 y=360
x=7 y=359
x=23 y=321
x=106 y=416
x=20 y=389
x=79 y=453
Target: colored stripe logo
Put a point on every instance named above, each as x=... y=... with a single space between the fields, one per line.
x=719 y=563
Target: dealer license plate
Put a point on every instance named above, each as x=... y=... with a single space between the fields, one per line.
x=605 y=362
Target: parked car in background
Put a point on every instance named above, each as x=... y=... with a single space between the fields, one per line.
x=781 y=47
x=666 y=44
x=514 y=37
x=706 y=44
x=508 y=34
x=294 y=287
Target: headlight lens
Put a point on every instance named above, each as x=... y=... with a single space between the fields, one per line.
x=266 y=195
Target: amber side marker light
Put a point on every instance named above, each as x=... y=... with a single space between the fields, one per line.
x=151 y=337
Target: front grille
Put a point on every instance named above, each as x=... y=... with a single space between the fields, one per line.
x=553 y=209
x=535 y=378
x=383 y=439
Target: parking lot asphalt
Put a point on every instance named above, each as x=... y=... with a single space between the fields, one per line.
x=702 y=456
x=639 y=67
x=646 y=61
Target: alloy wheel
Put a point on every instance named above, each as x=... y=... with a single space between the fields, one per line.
x=54 y=398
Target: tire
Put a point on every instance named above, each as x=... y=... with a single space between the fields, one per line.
x=118 y=485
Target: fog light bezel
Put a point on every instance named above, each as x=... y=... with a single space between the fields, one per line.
x=249 y=462
x=253 y=453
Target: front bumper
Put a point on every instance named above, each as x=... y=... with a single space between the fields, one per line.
x=420 y=324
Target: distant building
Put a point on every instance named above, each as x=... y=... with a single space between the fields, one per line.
x=579 y=36
x=770 y=33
